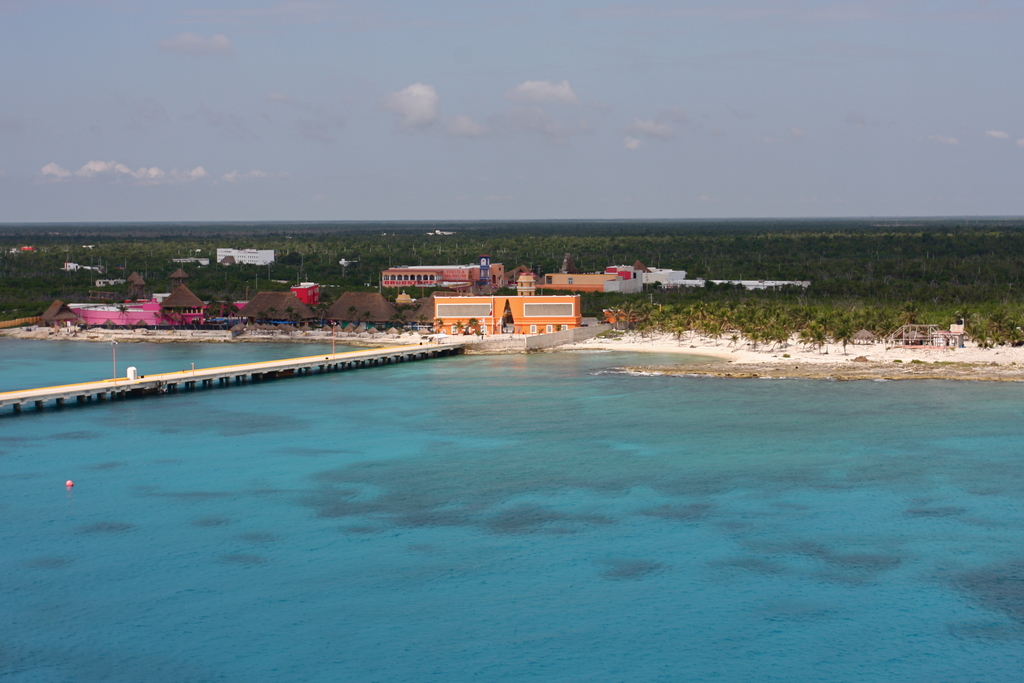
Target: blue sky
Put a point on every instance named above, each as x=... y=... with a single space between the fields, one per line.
x=113 y=110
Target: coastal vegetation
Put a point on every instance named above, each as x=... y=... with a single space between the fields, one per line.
x=865 y=274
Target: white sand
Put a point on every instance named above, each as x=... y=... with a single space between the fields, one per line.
x=744 y=352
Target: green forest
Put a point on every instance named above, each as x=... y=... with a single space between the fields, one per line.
x=865 y=273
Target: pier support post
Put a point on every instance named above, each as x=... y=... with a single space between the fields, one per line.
x=60 y=402
x=39 y=405
x=17 y=407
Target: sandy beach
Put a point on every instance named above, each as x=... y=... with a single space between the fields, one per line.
x=859 y=362
x=211 y=337
x=724 y=359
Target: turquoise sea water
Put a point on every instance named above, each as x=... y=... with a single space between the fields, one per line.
x=508 y=518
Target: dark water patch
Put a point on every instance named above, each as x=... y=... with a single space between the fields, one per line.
x=999 y=588
x=523 y=519
x=257 y=537
x=210 y=521
x=680 y=513
x=624 y=569
x=854 y=568
x=48 y=562
x=240 y=558
x=105 y=528
x=112 y=464
x=942 y=511
x=985 y=631
x=76 y=436
x=362 y=529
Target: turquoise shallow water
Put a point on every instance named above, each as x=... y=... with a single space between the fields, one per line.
x=507 y=518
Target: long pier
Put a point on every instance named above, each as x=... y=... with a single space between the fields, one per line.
x=168 y=382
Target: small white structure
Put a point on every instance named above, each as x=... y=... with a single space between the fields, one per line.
x=248 y=257
x=75 y=267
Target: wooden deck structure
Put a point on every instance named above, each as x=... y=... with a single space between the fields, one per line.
x=169 y=382
x=926 y=337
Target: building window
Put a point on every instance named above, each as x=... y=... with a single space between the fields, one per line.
x=570 y=281
x=533 y=329
x=550 y=329
x=548 y=279
x=455 y=329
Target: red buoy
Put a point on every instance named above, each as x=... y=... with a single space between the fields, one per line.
x=69 y=483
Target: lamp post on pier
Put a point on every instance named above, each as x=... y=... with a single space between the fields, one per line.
x=334 y=328
x=113 y=347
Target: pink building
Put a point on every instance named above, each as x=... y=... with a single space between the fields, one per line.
x=180 y=308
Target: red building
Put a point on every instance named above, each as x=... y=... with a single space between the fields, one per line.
x=451 y=277
x=307 y=292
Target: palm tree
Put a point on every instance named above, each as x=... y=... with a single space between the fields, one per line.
x=843 y=333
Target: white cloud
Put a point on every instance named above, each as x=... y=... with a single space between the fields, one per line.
x=465 y=127
x=236 y=176
x=195 y=174
x=997 y=134
x=795 y=133
x=655 y=129
x=660 y=126
x=1020 y=143
x=143 y=176
x=194 y=45
x=56 y=171
x=543 y=91
x=416 y=104
x=632 y=143
x=93 y=168
x=943 y=140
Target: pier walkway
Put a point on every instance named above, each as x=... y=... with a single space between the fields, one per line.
x=123 y=387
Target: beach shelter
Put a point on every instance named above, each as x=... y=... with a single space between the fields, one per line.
x=369 y=307
x=276 y=306
x=864 y=337
x=59 y=313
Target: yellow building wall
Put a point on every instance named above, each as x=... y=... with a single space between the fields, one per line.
x=539 y=320
x=580 y=282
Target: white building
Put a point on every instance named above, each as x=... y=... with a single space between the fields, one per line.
x=248 y=257
x=666 y=276
x=746 y=284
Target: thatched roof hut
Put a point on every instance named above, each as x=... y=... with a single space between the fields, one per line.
x=183 y=299
x=276 y=305
x=179 y=277
x=59 y=312
x=363 y=306
x=864 y=337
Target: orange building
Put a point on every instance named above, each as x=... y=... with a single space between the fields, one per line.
x=508 y=314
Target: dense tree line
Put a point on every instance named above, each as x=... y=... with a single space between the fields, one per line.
x=939 y=267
